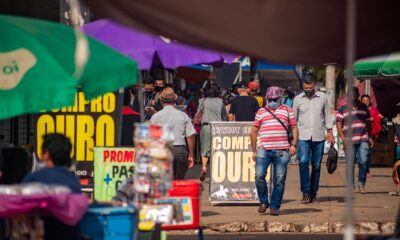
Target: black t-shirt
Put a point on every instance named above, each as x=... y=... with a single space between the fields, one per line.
x=244 y=108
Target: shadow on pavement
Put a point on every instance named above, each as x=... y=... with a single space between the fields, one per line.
x=332 y=199
x=300 y=210
x=373 y=175
x=209 y=213
x=330 y=186
x=386 y=193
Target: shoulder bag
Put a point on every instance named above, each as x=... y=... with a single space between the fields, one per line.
x=288 y=129
x=199 y=115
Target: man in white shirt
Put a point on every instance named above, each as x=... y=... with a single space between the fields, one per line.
x=314 y=122
x=183 y=132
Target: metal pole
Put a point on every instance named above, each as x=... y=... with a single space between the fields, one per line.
x=141 y=97
x=120 y=99
x=368 y=87
x=350 y=57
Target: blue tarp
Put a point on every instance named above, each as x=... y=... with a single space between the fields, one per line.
x=261 y=65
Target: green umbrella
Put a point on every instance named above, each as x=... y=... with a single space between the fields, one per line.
x=37 y=65
x=386 y=66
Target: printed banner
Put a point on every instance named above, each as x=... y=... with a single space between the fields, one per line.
x=232 y=165
x=111 y=167
x=186 y=208
x=88 y=124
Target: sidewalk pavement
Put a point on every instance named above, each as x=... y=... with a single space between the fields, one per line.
x=375 y=211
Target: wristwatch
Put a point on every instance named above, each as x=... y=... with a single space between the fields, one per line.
x=294 y=145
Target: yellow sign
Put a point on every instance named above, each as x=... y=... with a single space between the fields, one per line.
x=88 y=124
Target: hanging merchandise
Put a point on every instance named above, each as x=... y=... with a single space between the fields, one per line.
x=154 y=161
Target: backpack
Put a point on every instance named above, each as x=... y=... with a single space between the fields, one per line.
x=331 y=163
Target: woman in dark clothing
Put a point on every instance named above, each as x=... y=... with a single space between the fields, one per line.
x=129 y=118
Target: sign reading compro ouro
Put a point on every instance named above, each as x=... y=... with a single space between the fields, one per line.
x=232 y=165
x=87 y=124
x=112 y=166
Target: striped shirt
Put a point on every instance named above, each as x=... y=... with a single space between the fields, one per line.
x=360 y=115
x=273 y=135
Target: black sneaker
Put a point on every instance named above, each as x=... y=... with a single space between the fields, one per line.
x=306 y=199
x=314 y=199
x=274 y=212
x=263 y=208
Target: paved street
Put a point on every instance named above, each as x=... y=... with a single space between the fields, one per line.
x=376 y=205
x=259 y=236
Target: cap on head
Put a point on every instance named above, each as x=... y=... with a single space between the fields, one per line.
x=273 y=92
x=254 y=85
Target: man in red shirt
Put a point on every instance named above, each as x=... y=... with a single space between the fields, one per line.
x=272 y=124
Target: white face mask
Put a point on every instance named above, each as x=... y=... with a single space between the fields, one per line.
x=40 y=165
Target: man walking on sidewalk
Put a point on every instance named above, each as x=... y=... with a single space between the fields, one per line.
x=361 y=139
x=243 y=107
x=183 y=132
x=311 y=110
x=273 y=123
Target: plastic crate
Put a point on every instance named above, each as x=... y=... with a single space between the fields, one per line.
x=110 y=223
x=188 y=192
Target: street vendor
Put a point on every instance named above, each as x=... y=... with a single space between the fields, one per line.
x=56 y=162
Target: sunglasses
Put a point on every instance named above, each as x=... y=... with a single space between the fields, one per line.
x=273 y=99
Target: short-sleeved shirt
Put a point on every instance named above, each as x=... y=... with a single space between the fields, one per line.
x=180 y=121
x=359 y=115
x=244 y=108
x=273 y=135
x=260 y=100
x=213 y=110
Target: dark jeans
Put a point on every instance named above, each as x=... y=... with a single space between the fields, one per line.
x=180 y=162
x=310 y=151
x=361 y=152
x=279 y=160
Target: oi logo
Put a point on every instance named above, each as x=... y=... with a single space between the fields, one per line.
x=11 y=68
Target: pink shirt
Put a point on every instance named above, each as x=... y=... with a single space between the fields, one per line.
x=273 y=135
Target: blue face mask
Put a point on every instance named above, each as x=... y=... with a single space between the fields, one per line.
x=274 y=104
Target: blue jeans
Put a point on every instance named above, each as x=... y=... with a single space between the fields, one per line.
x=361 y=154
x=398 y=153
x=310 y=151
x=369 y=159
x=280 y=160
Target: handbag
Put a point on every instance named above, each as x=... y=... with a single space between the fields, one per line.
x=385 y=129
x=331 y=162
x=199 y=115
x=288 y=129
